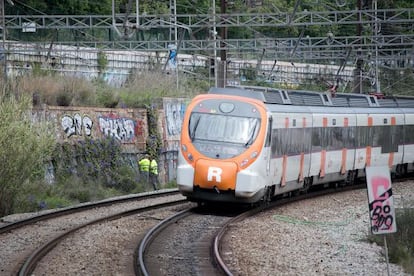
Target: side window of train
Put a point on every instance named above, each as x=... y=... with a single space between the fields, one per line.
x=387 y=137
x=269 y=133
x=363 y=135
x=408 y=134
x=398 y=137
x=336 y=139
x=349 y=134
x=316 y=139
x=278 y=142
x=290 y=141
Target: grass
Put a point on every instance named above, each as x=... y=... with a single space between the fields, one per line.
x=401 y=243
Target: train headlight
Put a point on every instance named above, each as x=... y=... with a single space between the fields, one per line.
x=190 y=157
x=226 y=107
x=244 y=162
x=184 y=147
x=254 y=154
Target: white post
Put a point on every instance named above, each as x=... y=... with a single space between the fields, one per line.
x=386 y=255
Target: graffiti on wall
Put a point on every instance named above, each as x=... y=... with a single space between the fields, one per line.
x=115 y=78
x=174 y=114
x=122 y=129
x=77 y=125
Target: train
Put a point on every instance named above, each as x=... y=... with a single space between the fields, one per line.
x=247 y=144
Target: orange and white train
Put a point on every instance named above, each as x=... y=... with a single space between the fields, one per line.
x=249 y=144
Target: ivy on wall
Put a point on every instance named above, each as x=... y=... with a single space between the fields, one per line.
x=153 y=143
x=93 y=160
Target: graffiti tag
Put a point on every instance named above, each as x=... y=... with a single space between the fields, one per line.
x=122 y=129
x=380 y=199
x=77 y=125
x=174 y=113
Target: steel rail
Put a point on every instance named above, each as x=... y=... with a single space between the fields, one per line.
x=140 y=267
x=30 y=264
x=276 y=203
x=82 y=207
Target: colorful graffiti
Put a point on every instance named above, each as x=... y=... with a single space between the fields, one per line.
x=381 y=201
x=123 y=129
x=77 y=125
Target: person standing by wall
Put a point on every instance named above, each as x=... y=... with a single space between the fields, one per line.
x=154 y=174
x=144 y=166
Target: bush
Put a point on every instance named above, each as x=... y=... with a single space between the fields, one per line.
x=24 y=149
x=401 y=243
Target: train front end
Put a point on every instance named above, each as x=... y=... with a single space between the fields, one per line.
x=220 y=152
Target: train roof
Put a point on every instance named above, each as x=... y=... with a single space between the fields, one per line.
x=311 y=98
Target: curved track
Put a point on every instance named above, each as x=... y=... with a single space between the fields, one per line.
x=82 y=207
x=22 y=239
x=28 y=267
x=188 y=243
x=274 y=204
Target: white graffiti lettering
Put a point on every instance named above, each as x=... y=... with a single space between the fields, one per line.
x=76 y=124
x=174 y=113
x=122 y=129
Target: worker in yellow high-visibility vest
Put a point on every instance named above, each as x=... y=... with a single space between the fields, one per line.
x=144 y=166
x=154 y=174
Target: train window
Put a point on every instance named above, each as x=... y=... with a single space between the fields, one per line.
x=289 y=141
x=387 y=137
x=385 y=120
x=222 y=128
x=335 y=138
x=269 y=133
x=349 y=134
x=363 y=135
x=316 y=139
x=409 y=134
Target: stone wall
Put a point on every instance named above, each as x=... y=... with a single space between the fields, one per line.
x=128 y=125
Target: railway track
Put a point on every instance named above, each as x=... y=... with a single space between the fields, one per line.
x=81 y=207
x=29 y=240
x=188 y=243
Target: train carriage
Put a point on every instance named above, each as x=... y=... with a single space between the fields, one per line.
x=248 y=144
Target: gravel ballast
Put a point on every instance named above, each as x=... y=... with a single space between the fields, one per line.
x=321 y=236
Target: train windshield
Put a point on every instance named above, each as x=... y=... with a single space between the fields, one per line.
x=222 y=136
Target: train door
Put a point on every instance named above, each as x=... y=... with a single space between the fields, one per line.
x=268 y=144
x=408 y=157
x=386 y=134
x=292 y=147
x=362 y=141
x=318 y=153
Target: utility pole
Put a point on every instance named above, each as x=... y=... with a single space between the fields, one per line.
x=3 y=34
x=376 y=30
x=359 y=62
x=223 y=53
x=215 y=44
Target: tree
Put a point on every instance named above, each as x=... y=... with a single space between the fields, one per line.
x=61 y=7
